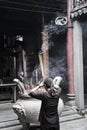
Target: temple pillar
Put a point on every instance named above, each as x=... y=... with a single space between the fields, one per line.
x=71 y=95
x=78 y=64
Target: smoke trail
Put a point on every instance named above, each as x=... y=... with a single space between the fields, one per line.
x=57 y=62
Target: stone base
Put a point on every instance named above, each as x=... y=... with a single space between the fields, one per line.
x=71 y=103
x=71 y=99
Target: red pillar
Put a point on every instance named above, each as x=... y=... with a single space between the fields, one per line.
x=70 y=51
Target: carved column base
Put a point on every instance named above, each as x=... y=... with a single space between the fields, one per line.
x=71 y=99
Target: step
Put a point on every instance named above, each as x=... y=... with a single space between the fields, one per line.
x=70 y=117
x=11 y=123
x=7 y=116
x=17 y=127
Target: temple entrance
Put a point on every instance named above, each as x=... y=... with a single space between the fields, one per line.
x=8 y=64
x=17 y=34
x=20 y=43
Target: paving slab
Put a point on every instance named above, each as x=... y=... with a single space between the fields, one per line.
x=69 y=120
x=80 y=124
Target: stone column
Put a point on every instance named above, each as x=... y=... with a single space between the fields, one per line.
x=24 y=64
x=71 y=95
x=15 y=67
x=78 y=64
x=45 y=51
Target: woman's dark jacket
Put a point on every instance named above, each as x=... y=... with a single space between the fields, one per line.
x=49 y=107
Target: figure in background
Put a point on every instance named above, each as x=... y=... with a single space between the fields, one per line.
x=49 y=94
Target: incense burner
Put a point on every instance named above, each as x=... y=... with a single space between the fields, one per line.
x=28 y=108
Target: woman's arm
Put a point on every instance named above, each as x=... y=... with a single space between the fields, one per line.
x=34 y=89
x=37 y=92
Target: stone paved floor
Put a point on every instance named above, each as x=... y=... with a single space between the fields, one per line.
x=69 y=120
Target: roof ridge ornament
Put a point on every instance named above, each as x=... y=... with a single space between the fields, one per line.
x=61 y=20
